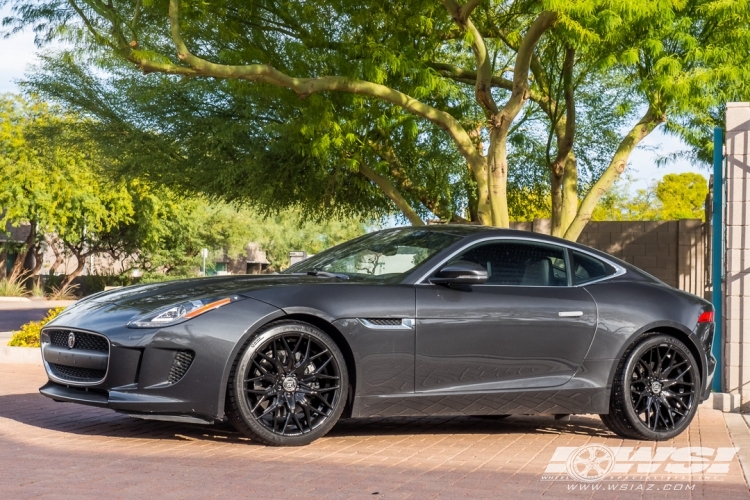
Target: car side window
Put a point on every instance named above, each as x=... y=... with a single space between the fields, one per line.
x=587 y=268
x=519 y=263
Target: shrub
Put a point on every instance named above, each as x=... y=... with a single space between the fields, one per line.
x=62 y=292
x=12 y=287
x=30 y=334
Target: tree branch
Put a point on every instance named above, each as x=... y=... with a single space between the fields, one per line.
x=565 y=141
x=390 y=190
x=650 y=120
x=397 y=172
x=483 y=88
x=523 y=61
x=306 y=86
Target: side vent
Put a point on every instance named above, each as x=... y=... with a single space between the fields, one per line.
x=180 y=365
x=388 y=323
x=384 y=321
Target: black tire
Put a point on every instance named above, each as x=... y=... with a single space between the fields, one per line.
x=655 y=390
x=288 y=386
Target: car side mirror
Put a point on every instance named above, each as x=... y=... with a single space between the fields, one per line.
x=461 y=273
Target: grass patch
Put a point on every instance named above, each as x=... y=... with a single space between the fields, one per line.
x=12 y=287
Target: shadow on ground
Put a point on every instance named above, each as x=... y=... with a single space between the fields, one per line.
x=37 y=411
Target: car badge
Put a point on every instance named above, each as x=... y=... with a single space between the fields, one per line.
x=71 y=340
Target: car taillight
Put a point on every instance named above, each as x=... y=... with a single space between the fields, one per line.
x=706 y=317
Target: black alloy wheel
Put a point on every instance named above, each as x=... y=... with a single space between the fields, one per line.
x=289 y=386
x=655 y=392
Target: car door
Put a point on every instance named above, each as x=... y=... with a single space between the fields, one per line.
x=525 y=328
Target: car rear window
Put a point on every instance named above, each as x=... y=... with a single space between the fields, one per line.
x=587 y=268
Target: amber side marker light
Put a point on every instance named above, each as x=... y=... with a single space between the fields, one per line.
x=216 y=305
x=706 y=317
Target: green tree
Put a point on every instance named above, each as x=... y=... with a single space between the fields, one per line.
x=682 y=196
x=52 y=178
x=674 y=197
x=415 y=65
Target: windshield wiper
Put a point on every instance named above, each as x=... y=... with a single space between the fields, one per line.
x=326 y=274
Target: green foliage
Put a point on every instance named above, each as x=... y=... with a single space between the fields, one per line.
x=52 y=175
x=267 y=147
x=682 y=196
x=285 y=232
x=30 y=334
x=674 y=197
x=227 y=230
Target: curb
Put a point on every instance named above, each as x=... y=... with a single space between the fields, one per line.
x=20 y=355
x=725 y=402
x=740 y=435
x=15 y=299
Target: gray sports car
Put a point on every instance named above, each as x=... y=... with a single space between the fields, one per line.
x=439 y=320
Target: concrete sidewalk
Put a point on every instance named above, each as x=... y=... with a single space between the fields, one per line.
x=17 y=303
x=50 y=449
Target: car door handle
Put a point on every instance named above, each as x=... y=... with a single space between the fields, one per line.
x=570 y=314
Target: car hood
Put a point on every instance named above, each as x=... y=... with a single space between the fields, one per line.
x=155 y=295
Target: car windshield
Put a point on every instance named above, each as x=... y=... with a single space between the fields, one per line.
x=382 y=255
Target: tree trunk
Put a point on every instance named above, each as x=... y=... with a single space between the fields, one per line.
x=498 y=173
x=58 y=256
x=484 y=209
x=80 y=264
x=18 y=265
x=569 y=192
x=38 y=253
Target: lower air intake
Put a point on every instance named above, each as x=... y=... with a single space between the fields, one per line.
x=180 y=365
x=76 y=374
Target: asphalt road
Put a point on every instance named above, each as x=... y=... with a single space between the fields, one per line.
x=13 y=319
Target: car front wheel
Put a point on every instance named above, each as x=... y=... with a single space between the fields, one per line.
x=655 y=390
x=288 y=387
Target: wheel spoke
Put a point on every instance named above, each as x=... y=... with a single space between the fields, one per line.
x=322 y=399
x=267 y=391
x=298 y=423
x=270 y=408
x=673 y=366
x=323 y=365
x=319 y=355
x=306 y=411
x=286 y=422
x=262 y=370
x=661 y=361
x=314 y=376
x=291 y=353
x=327 y=389
x=274 y=362
x=258 y=403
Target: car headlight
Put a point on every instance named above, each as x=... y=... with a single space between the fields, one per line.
x=180 y=312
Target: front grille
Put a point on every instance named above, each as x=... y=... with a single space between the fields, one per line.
x=76 y=374
x=384 y=321
x=85 y=341
x=180 y=365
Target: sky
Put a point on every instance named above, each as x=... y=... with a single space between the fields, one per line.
x=19 y=51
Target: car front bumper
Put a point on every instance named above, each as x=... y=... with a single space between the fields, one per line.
x=176 y=373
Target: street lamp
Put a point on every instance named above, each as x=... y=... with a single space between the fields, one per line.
x=204 y=253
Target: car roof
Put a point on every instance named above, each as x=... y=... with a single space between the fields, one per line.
x=471 y=232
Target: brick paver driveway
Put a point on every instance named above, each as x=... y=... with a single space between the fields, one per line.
x=56 y=450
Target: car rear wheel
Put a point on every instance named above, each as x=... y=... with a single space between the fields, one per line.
x=655 y=390
x=288 y=387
